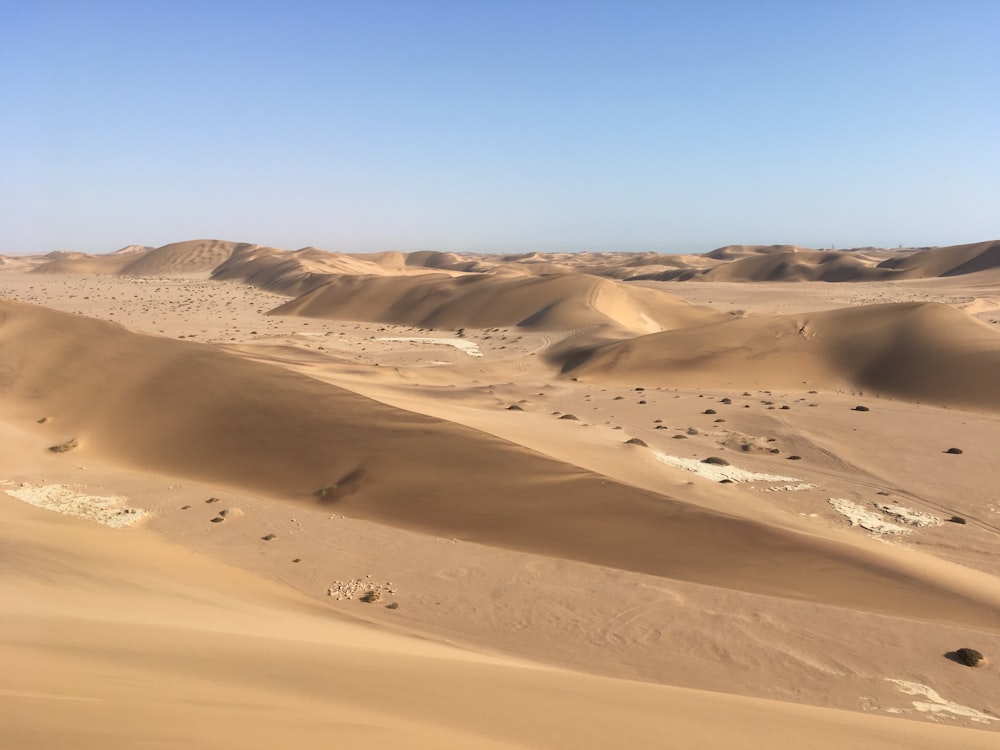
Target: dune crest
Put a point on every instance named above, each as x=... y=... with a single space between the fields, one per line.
x=189 y=410
x=920 y=351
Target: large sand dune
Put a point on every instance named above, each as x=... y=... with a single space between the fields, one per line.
x=607 y=486
x=920 y=351
x=561 y=302
x=125 y=641
x=190 y=411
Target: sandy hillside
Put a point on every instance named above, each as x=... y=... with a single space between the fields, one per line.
x=640 y=504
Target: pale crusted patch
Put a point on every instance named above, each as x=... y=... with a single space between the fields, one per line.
x=908 y=515
x=935 y=704
x=109 y=511
x=801 y=487
x=718 y=473
x=468 y=347
x=866 y=519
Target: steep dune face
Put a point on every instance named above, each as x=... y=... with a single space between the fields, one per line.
x=955 y=260
x=755 y=263
x=189 y=410
x=193 y=256
x=920 y=351
x=81 y=263
x=296 y=272
x=564 y=301
x=799 y=265
x=737 y=252
x=282 y=272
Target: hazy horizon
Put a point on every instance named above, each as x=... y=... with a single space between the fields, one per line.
x=518 y=127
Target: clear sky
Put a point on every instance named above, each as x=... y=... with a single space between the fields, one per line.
x=498 y=126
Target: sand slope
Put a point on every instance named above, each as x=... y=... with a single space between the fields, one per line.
x=920 y=351
x=124 y=641
x=955 y=260
x=190 y=410
x=563 y=302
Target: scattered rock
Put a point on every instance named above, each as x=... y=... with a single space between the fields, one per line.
x=726 y=481
x=726 y=400
x=720 y=419
x=692 y=430
x=185 y=507
x=970 y=657
x=793 y=458
x=715 y=461
x=392 y=605
x=64 y=447
x=709 y=411
x=773 y=450
x=860 y=408
x=269 y=537
x=570 y=416
x=43 y=420
x=952 y=451
x=370 y=597
x=213 y=500
x=218 y=519
x=957 y=519
x=786 y=406
x=680 y=437
x=637 y=441
x=642 y=402
x=514 y=407
x=297 y=560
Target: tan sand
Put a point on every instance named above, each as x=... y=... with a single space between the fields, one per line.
x=550 y=584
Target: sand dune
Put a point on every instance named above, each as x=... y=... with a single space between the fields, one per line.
x=193 y=256
x=80 y=263
x=757 y=263
x=548 y=498
x=189 y=410
x=920 y=351
x=956 y=260
x=295 y=272
x=563 y=302
x=125 y=641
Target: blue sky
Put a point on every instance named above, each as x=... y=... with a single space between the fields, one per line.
x=498 y=126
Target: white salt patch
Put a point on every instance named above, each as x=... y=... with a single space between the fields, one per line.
x=469 y=347
x=935 y=704
x=718 y=473
x=866 y=519
x=908 y=515
x=801 y=487
x=110 y=511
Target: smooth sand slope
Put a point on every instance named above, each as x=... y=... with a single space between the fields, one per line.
x=918 y=351
x=189 y=410
x=119 y=640
x=560 y=302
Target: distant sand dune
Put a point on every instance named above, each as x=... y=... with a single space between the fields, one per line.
x=563 y=302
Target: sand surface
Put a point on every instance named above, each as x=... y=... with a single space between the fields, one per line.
x=436 y=500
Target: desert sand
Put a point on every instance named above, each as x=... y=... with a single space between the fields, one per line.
x=740 y=499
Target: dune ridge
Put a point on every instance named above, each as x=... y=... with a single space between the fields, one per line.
x=919 y=351
x=549 y=302
x=190 y=410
